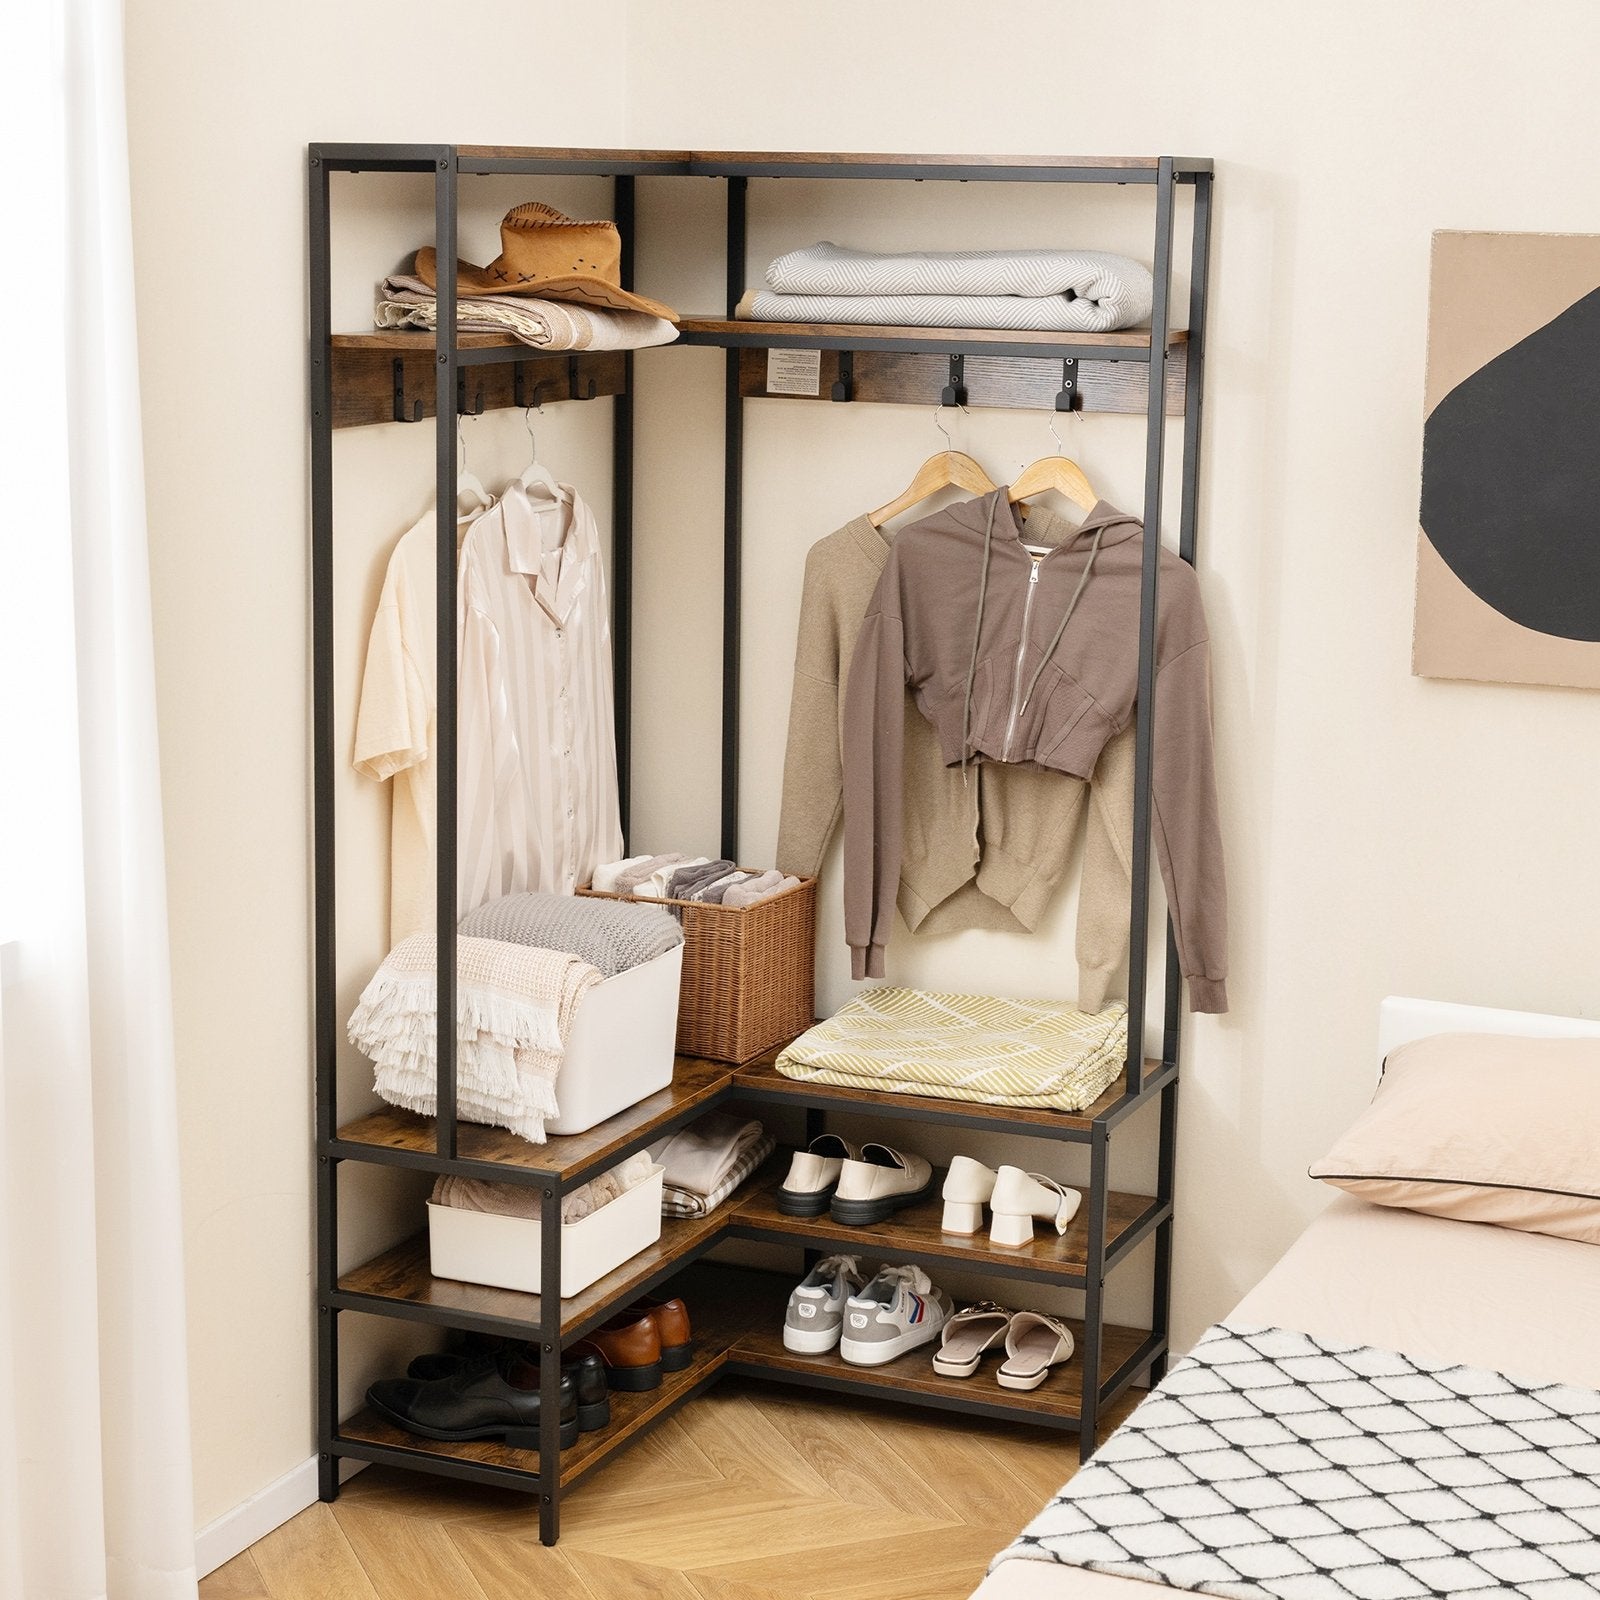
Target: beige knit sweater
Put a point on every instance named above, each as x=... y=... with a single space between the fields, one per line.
x=986 y=852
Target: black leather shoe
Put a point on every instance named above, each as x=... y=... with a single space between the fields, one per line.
x=588 y=1373
x=582 y=1364
x=499 y=1401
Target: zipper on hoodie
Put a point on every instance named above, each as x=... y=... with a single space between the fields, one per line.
x=1022 y=650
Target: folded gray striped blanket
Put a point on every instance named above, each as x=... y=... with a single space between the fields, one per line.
x=611 y=935
x=1081 y=291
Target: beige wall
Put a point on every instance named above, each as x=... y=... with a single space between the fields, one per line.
x=1383 y=833
x=222 y=101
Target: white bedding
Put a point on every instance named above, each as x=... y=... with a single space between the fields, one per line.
x=1435 y=1289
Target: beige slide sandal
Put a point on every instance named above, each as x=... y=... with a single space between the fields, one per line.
x=968 y=1337
x=1034 y=1344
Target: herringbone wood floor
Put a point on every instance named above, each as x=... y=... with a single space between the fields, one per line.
x=749 y=1493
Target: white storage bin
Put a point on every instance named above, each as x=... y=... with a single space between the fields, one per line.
x=621 y=1045
x=482 y=1247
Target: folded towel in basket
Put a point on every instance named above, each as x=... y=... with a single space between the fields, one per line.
x=514 y=1010
x=964 y=1047
x=610 y=935
x=523 y=1200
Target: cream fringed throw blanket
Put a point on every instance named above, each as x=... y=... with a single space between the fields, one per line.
x=514 y=1010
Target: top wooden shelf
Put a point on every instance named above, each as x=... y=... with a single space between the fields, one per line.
x=556 y=160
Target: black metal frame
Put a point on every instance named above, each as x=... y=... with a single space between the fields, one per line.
x=1142 y=1083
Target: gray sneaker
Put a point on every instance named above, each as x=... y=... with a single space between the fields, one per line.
x=899 y=1310
x=816 y=1307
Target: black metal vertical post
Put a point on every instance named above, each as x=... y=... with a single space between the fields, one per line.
x=1188 y=514
x=1166 y=1190
x=550 y=1366
x=622 y=526
x=732 y=529
x=444 y=236
x=1094 y=1314
x=1194 y=385
x=322 y=806
x=1155 y=436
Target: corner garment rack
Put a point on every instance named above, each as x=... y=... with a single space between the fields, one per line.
x=371 y=377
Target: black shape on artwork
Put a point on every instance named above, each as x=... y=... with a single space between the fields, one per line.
x=1511 y=477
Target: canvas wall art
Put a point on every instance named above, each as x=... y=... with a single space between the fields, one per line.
x=1508 y=560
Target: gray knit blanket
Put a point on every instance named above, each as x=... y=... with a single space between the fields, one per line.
x=1076 y=291
x=611 y=935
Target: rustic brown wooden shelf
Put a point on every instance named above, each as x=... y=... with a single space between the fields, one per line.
x=712 y=330
x=403 y=1277
x=916 y=1231
x=724 y=1304
x=911 y=1376
x=403 y=1138
x=760 y=1081
x=757 y=163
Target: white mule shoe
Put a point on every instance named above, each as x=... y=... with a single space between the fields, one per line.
x=1021 y=1196
x=968 y=1337
x=1034 y=1344
x=967 y=1187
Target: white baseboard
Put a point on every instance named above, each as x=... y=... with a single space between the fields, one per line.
x=220 y=1541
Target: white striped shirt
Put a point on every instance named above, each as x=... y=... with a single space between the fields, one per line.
x=536 y=741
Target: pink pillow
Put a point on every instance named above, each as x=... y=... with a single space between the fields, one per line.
x=1483 y=1128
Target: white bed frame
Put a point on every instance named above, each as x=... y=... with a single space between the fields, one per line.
x=1401 y=1019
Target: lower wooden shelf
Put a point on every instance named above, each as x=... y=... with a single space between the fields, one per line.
x=630 y=1415
x=1057 y=1401
x=724 y=1305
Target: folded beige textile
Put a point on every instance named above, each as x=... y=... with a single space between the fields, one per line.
x=407 y=302
x=514 y=1009
x=523 y=1200
x=699 y=1157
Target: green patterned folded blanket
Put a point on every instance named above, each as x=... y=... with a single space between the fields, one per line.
x=964 y=1047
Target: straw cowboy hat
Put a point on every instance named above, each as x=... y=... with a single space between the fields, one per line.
x=547 y=254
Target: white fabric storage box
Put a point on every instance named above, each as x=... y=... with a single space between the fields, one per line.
x=503 y=1252
x=622 y=1044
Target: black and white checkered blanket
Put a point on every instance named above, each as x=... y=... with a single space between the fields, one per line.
x=1269 y=1464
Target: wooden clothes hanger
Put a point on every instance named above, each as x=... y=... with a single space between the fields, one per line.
x=948 y=469
x=1056 y=472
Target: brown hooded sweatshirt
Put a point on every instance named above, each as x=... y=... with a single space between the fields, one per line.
x=1032 y=662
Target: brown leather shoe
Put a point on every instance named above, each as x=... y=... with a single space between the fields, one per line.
x=630 y=1346
x=671 y=1318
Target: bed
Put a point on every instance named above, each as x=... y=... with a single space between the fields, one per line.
x=1438 y=1290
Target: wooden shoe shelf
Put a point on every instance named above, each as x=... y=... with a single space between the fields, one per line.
x=370 y=377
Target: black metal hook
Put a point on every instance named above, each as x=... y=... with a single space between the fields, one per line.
x=519 y=387
x=572 y=382
x=954 y=392
x=462 y=408
x=1069 y=398
x=844 y=386
x=400 y=412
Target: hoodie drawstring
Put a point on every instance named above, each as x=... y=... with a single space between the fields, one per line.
x=977 y=633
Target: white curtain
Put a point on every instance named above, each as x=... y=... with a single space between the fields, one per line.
x=95 y=1481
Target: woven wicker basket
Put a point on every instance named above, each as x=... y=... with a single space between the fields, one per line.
x=749 y=973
